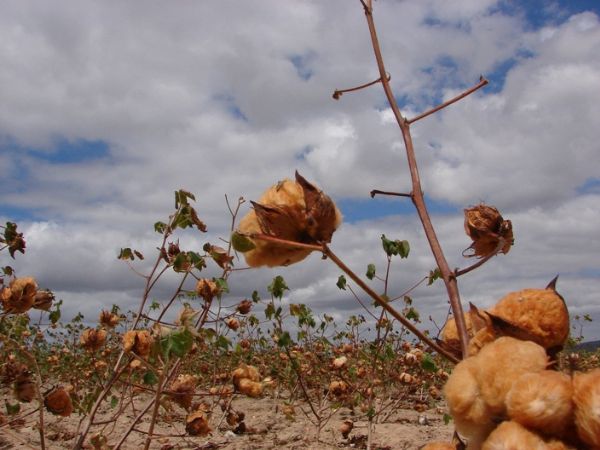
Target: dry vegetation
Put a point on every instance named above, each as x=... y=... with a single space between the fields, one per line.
x=200 y=369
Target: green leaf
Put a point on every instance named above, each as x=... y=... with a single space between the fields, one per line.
x=114 y=401
x=255 y=297
x=241 y=243
x=222 y=284
x=434 y=275
x=428 y=364
x=371 y=271
x=126 y=253
x=412 y=314
x=403 y=248
x=180 y=342
x=150 y=378
x=160 y=227
x=447 y=418
x=277 y=287
x=407 y=300
x=341 y=282
x=285 y=340
x=389 y=247
x=181 y=198
x=269 y=311
x=8 y=271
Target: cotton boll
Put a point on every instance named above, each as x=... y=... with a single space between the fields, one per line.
x=542 y=401
x=586 y=396
x=294 y=211
x=500 y=363
x=513 y=436
x=439 y=446
x=472 y=416
x=541 y=313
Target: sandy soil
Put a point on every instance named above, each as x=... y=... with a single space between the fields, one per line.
x=267 y=428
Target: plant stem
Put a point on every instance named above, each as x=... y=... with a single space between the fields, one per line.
x=417 y=193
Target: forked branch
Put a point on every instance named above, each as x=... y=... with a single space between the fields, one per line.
x=417 y=193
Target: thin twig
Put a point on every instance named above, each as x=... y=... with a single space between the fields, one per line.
x=338 y=92
x=397 y=194
x=482 y=82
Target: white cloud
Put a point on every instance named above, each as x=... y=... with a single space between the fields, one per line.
x=210 y=100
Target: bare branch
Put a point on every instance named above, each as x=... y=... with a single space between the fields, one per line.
x=482 y=82
x=338 y=92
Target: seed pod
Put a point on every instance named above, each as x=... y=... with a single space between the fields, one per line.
x=338 y=387
x=58 y=401
x=207 y=289
x=24 y=387
x=485 y=226
x=293 y=211
x=182 y=390
x=245 y=371
x=346 y=427
x=92 y=339
x=196 y=424
x=339 y=363
x=138 y=341
x=250 y=388
x=108 y=319
x=232 y=323
x=19 y=296
x=244 y=306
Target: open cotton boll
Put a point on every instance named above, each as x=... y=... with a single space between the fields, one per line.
x=586 y=396
x=511 y=435
x=542 y=401
x=295 y=211
x=500 y=363
x=473 y=418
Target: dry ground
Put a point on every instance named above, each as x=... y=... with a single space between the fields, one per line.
x=267 y=429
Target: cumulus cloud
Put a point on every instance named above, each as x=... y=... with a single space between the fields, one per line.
x=229 y=99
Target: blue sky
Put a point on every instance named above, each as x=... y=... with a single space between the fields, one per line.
x=107 y=109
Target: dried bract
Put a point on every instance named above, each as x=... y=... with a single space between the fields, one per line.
x=43 y=300
x=486 y=227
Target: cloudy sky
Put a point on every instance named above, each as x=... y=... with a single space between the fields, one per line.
x=106 y=108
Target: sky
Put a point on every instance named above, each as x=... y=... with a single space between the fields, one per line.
x=107 y=108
